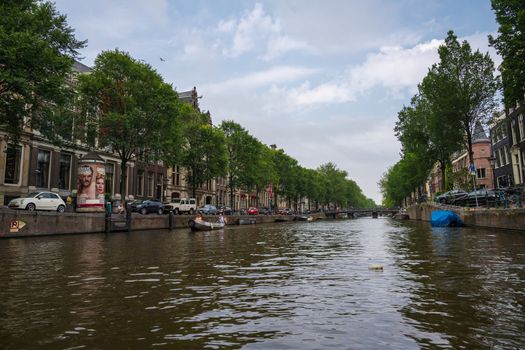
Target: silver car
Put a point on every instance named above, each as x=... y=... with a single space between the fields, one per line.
x=39 y=201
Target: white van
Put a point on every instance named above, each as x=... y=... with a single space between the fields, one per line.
x=182 y=206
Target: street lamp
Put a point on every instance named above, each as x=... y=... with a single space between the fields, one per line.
x=492 y=161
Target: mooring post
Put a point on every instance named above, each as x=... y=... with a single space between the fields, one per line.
x=108 y=217
x=171 y=221
x=128 y=216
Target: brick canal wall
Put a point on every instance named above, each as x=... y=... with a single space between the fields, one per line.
x=512 y=219
x=41 y=223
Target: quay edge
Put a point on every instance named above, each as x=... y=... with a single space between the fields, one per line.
x=501 y=218
x=41 y=223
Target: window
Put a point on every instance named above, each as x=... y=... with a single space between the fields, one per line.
x=140 y=182
x=65 y=171
x=12 y=164
x=42 y=168
x=481 y=173
x=150 y=184
x=507 y=154
x=108 y=181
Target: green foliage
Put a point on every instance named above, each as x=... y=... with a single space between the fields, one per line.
x=401 y=180
x=204 y=151
x=130 y=108
x=510 y=44
x=455 y=95
x=37 y=49
x=462 y=86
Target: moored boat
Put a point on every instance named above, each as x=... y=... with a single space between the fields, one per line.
x=204 y=225
x=304 y=218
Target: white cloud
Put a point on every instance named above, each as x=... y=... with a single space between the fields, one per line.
x=274 y=75
x=251 y=28
x=324 y=93
x=255 y=30
x=395 y=67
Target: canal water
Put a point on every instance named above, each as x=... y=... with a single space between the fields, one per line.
x=304 y=285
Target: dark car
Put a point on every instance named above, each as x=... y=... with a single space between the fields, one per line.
x=208 y=209
x=265 y=211
x=483 y=197
x=147 y=206
x=224 y=209
x=452 y=197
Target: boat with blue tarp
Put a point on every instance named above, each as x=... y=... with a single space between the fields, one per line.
x=445 y=218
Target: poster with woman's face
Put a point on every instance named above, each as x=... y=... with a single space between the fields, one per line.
x=100 y=182
x=91 y=184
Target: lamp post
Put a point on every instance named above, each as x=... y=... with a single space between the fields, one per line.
x=492 y=161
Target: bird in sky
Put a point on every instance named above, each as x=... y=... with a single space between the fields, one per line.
x=162 y=59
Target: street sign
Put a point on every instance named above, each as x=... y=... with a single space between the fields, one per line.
x=16 y=225
x=472 y=169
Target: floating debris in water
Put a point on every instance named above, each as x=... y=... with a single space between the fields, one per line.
x=377 y=267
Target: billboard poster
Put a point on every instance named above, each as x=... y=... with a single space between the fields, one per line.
x=90 y=185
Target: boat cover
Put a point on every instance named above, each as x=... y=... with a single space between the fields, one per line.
x=445 y=218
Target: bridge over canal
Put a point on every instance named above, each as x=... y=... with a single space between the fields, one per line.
x=358 y=212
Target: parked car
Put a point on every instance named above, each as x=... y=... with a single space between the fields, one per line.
x=452 y=197
x=252 y=211
x=148 y=206
x=285 y=211
x=208 y=209
x=265 y=211
x=181 y=206
x=39 y=201
x=484 y=197
x=225 y=210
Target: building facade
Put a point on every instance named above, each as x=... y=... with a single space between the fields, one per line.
x=481 y=149
x=516 y=133
x=499 y=136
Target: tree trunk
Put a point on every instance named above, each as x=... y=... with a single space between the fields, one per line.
x=469 y=148
x=194 y=185
x=443 y=170
x=123 y=177
x=232 y=197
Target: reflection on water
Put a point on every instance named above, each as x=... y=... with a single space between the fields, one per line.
x=290 y=286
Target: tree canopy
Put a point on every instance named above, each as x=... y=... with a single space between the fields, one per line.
x=132 y=109
x=510 y=44
x=37 y=48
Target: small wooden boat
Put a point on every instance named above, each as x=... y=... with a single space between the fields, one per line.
x=204 y=225
x=304 y=218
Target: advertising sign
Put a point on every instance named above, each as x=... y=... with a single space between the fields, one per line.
x=90 y=186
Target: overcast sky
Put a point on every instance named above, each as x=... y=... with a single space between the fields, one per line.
x=323 y=80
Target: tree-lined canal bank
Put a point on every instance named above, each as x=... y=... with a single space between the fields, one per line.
x=300 y=285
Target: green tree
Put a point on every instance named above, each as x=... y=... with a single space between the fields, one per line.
x=37 y=48
x=399 y=181
x=244 y=154
x=461 y=86
x=204 y=152
x=284 y=166
x=510 y=44
x=334 y=183
x=264 y=171
x=428 y=130
x=134 y=112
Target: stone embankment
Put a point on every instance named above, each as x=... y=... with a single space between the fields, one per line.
x=15 y=223
x=501 y=218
